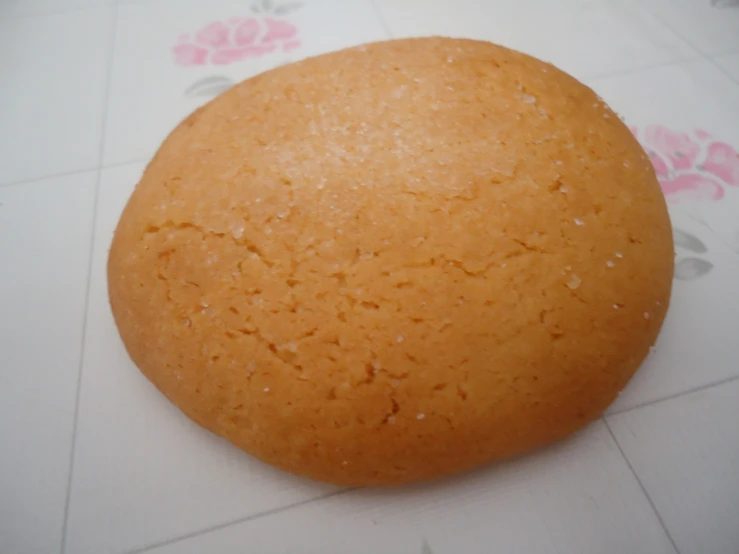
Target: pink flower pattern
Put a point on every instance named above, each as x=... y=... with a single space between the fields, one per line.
x=239 y=38
x=723 y=162
x=691 y=186
x=678 y=148
x=690 y=166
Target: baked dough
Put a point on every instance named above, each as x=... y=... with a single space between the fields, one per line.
x=394 y=262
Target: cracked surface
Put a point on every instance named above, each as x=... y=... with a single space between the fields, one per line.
x=394 y=262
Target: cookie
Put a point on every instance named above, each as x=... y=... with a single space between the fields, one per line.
x=394 y=262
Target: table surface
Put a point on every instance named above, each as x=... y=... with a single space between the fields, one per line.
x=93 y=460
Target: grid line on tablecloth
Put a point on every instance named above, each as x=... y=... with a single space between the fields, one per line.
x=641 y=486
x=672 y=396
x=710 y=58
x=72 y=172
x=252 y=517
x=36 y=179
x=381 y=19
x=96 y=196
x=642 y=68
x=721 y=68
x=57 y=10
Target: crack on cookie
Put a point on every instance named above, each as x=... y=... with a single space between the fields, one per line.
x=242 y=241
x=394 y=409
x=529 y=248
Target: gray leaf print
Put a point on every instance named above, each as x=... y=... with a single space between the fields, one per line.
x=689 y=269
x=209 y=86
x=688 y=241
x=426 y=549
x=267 y=5
x=287 y=8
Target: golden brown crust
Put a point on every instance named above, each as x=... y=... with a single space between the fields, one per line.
x=394 y=262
